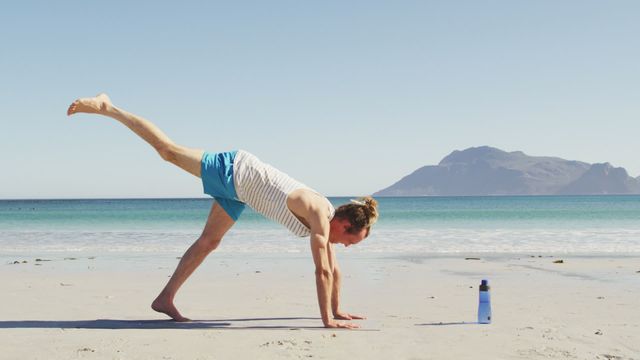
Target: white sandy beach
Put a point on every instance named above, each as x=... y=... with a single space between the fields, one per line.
x=266 y=308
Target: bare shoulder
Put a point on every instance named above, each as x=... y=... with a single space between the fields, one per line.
x=308 y=206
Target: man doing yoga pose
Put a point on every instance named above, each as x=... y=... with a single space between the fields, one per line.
x=237 y=178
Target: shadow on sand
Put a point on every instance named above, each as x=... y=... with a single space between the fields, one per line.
x=286 y=323
x=448 y=323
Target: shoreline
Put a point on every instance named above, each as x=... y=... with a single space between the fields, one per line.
x=294 y=255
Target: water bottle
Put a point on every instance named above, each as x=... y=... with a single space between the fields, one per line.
x=484 y=307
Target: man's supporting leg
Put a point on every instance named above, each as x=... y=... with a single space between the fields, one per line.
x=218 y=223
x=186 y=158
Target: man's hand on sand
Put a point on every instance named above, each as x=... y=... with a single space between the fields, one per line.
x=345 y=316
x=337 y=325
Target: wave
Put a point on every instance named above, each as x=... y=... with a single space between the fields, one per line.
x=384 y=240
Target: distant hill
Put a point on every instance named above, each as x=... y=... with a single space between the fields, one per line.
x=489 y=171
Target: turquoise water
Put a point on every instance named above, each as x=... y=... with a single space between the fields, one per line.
x=509 y=224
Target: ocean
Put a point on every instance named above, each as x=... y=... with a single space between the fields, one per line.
x=579 y=225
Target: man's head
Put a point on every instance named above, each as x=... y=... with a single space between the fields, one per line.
x=352 y=222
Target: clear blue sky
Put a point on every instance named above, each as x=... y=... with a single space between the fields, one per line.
x=345 y=96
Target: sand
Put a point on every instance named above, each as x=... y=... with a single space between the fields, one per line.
x=252 y=307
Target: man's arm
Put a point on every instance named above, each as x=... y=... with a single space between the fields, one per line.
x=324 y=281
x=335 y=293
x=314 y=210
x=337 y=282
x=321 y=250
x=324 y=278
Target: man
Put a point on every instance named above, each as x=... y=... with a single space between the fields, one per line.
x=237 y=178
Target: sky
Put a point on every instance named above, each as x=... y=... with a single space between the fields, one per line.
x=345 y=96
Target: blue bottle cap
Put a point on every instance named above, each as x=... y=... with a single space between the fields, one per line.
x=484 y=286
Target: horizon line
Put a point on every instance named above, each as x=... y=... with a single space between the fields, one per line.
x=330 y=196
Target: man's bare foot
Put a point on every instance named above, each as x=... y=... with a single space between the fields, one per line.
x=95 y=105
x=160 y=304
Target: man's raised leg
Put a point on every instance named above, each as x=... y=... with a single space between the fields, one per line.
x=218 y=223
x=184 y=157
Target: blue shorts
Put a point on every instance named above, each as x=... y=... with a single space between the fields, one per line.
x=217 y=181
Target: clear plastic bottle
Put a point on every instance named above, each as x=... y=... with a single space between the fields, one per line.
x=484 y=307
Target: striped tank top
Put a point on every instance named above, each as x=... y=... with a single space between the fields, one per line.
x=265 y=189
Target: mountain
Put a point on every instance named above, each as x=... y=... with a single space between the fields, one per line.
x=489 y=171
x=603 y=179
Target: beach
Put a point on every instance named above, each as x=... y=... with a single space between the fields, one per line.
x=196 y=157
x=265 y=307
x=79 y=277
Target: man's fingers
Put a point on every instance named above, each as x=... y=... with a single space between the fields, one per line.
x=343 y=317
x=346 y=316
x=349 y=326
x=343 y=326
